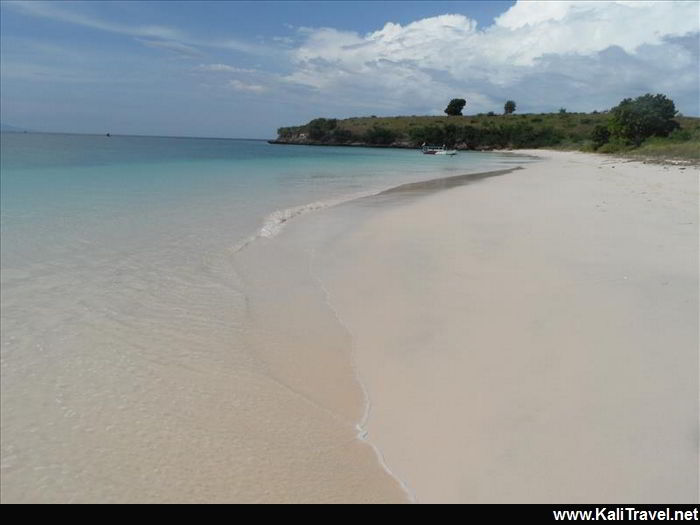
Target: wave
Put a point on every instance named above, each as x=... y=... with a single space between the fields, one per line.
x=275 y=222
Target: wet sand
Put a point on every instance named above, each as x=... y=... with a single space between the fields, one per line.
x=532 y=337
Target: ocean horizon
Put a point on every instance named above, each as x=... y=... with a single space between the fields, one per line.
x=24 y=131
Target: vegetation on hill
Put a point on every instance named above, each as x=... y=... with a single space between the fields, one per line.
x=646 y=126
x=633 y=121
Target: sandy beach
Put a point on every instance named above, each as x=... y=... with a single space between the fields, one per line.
x=531 y=337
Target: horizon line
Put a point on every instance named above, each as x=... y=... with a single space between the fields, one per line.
x=21 y=131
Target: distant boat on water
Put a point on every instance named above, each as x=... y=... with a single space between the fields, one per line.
x=428 y=149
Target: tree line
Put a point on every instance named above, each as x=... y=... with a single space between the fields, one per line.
x=627 y=125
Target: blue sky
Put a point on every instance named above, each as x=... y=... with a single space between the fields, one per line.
x=242 y=69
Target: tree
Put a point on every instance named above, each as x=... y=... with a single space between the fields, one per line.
x=319 y=128
x=509 y=107
x=455 y=106
x=379 y=135
x=645 y=116
x=600 y=136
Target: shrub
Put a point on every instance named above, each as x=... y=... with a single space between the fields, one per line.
x=285 y=133
x=645 y=116
x=450 y=134
x=680 y=135
x=319 y=128
x=615 y=145
x=431 y=134
x=379 y=135
x=600 y=136
x=342 y=135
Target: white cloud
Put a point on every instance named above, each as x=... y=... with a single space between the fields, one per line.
x=169 y=37
x=543 y=54
x=182 y=50
x=224 y=68
x=239 y=85
x=53 y=11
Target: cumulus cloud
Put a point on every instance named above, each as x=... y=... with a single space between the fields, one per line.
x=586 y=55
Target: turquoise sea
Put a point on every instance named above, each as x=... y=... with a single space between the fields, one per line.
x=59 y=189
x=127 y=368
x=70 y=202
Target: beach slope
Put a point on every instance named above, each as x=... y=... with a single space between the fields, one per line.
x=532 y=337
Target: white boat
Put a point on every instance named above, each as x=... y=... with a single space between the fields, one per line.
x=437 y=150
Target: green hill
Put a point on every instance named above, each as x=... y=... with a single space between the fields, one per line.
x=560 y=130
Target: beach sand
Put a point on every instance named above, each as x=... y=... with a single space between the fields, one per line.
x=532 y=337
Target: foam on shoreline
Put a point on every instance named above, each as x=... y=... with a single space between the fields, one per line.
x=275 y=222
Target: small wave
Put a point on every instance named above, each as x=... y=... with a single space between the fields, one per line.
x=276 y=221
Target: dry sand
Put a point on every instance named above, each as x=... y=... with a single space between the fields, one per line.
x=532 y=337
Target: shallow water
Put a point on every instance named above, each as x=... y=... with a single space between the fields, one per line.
x=152 y=349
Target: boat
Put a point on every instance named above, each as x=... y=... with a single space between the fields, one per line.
x=437 y=150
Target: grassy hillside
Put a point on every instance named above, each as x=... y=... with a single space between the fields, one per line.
x=553 y=130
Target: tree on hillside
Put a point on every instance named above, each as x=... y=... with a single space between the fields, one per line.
x=455 y=106
x=380 y=135
x=600 y=136
x=319 y=128
x=509 y=107
x=645 y=116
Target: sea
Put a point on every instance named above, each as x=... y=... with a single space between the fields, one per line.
x=137 y=365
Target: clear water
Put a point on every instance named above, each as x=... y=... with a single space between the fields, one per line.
x=109 y=191
x=125 y=342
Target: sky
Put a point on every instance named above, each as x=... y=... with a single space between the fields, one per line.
x=243 y=69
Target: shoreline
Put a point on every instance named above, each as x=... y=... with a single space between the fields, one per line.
x=286 y=264
x=275 y=221
x=369 y=278
x=644 y=159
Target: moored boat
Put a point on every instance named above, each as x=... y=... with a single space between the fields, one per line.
x=437 y=150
